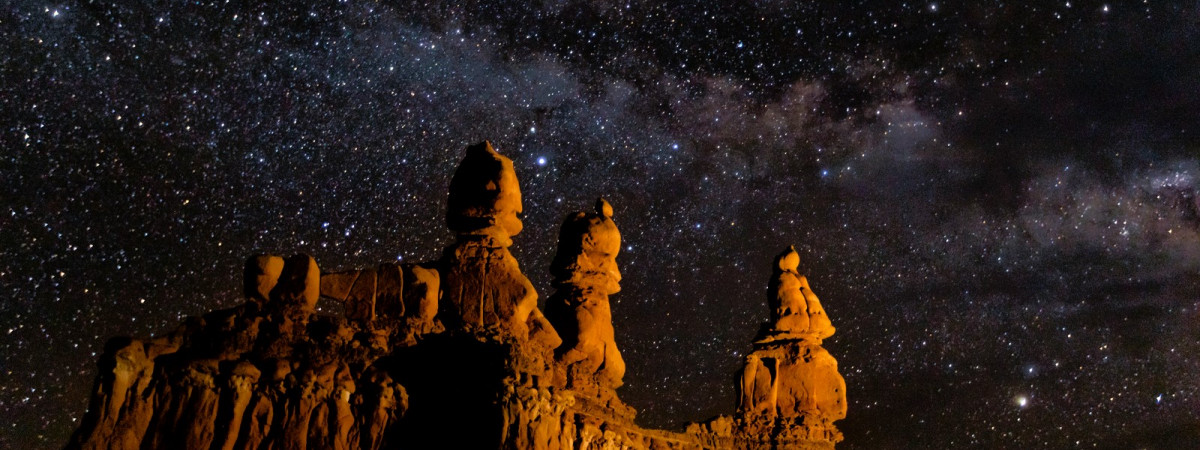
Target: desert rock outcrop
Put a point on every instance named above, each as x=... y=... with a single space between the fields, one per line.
x=455 y=342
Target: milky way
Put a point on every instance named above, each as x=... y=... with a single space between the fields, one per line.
x=997 y=203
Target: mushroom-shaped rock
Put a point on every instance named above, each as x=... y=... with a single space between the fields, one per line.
x=791 y=391
x=483 y=288
x=585 y=273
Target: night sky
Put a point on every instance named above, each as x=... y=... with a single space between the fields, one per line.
x=995 y=201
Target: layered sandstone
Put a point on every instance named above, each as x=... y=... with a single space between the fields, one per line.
x=457 y=341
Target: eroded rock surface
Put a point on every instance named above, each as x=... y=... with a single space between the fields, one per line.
x=790 y=391
x=456 y=342
x=483 y=288
x=585 y=274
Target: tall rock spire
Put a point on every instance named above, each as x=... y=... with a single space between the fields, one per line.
x=585 y=274
x=482 y=284
x=790 y=390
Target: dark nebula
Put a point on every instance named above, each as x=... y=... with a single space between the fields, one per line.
x=996 y=201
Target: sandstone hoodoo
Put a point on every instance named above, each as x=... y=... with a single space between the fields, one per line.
x=789 y=391
x=585 y=274
x=790 y=388
x=484 y=289
x=456 y=342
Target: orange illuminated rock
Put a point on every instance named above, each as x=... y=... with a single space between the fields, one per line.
x=408 y=292
x=453 y=344
x=344 y=433
x=122 y=402
x=267 y=407
x=485 y=198
x=385 y=403
x=792 y=381
x=422 y=292
x=791 y=391
x=299 y=285
x=483 y=288
x=585 y=273
x=796 y=313
x=186 y=409
x=261 y=275
x=240 y=390
x=354 y=289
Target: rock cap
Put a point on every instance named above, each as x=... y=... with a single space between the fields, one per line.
x=485 y=197
x=587 y=250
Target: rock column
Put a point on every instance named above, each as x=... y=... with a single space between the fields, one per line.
x=483 y=289
x=790 y=389
x=585 y=274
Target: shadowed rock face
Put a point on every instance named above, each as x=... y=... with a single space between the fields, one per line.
x=261 y=274
x=454 y=343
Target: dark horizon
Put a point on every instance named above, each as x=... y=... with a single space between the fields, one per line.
x=996 y=203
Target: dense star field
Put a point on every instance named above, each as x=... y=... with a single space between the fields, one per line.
x=995 y=201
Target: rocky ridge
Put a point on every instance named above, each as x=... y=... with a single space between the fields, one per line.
x=454 y=343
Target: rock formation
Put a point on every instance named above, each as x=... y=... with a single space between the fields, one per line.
x=484 y=289
x=459 y=340
x=585 y=274
x=796 y=314
x=790 y=391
